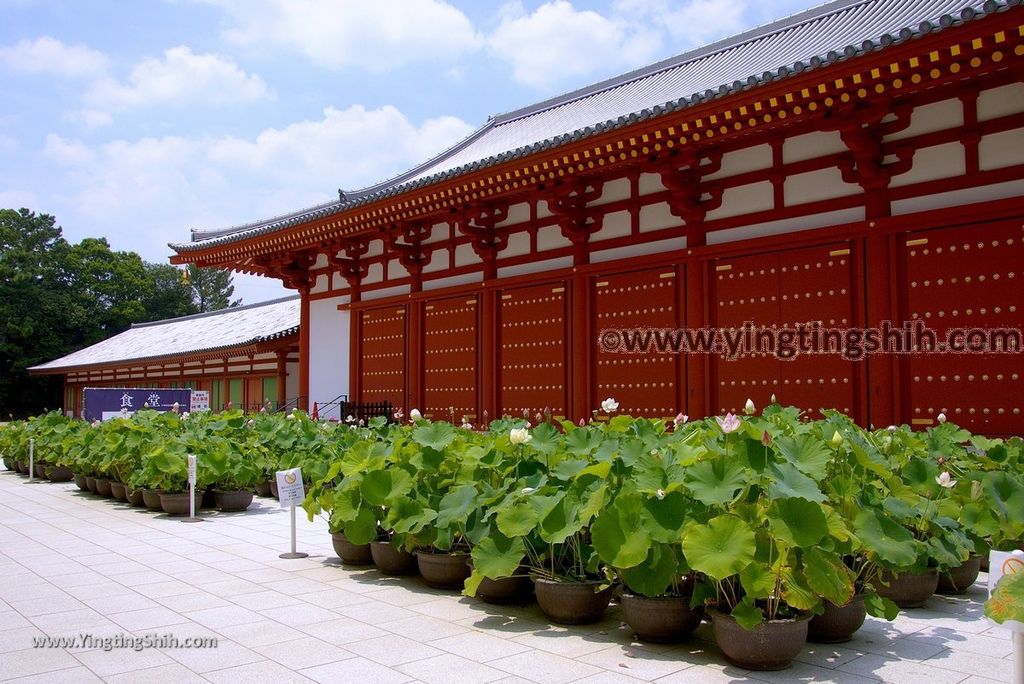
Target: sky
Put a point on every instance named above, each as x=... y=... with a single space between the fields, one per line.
x=140 y=120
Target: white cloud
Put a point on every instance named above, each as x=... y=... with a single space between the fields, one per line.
x=46 y=55
x=145 y=193
x=7 y=143
x=556 y=44
x=376 y=36
x=180 y=77
x=18 y=199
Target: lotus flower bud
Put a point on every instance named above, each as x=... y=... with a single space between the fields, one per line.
x=749 y=407
x=774 y=400
x=766 y=439
x=609 y=405
x=837 y=438
x=528 y=490
x=660 y=494
x=415 y=415
x=941 y=418
x=680 y=419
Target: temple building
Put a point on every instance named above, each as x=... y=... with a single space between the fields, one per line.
x=857 y=163
x=245 y=355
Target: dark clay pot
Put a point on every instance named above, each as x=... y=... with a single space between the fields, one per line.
x=80 y=483
x=151 y=499
x=134 y=497
x=59 y=473
x=207 y=499
x=263 y=488
x=837 y=623
x=117 y=491
x=514 y=590
x=771 y=645
x=232 y=501
x=90 y=483
x=959 y=579
x=908 y=589
x=273 y=489
x=40 y=469
x=443 y=570
x=103 y=487
x=572 y=603
x=175 y=504
x=391 y=560
x=661 y=620
x=349 y=553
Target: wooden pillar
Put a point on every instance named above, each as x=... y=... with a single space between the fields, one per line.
x=489 y=354
x=414 y=394
x=581 y=337
x=282 y=377
x=355 y=356
x=883 y=388
x=695 y=388
x=303 y=402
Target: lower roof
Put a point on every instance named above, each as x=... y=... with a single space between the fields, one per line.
x=206 y=332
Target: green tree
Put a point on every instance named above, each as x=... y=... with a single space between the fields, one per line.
x=211 y=287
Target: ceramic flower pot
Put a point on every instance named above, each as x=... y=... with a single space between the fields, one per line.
x=40 y=470
x=263 y=488
x=151 y=499
x=349 y=553
x=117 y=491
x=134 y=497
x=572 y=603
x=232 y=501
x=80 y=483
x=837 y=623
x=959 y=579
x=103 y=487
x=174 y=504
x=662 y=619
x=514 y=590
x=59 y=474
x=391 y=560
x=90 y=483
x=443 y=570
x=771 y=645
x=908 y=589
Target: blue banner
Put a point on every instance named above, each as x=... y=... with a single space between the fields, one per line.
x=104 y=403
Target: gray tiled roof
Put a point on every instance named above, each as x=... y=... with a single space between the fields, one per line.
x=807 y=40
x=224 y=329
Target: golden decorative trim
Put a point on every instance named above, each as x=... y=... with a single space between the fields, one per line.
x=922 y=421
x=723 y=267
x=915 y=243
x=839 y=252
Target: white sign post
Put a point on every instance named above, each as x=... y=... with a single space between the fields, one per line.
x=192 y=491
x=1006 y=563
x=31 y=459
x=291 y=492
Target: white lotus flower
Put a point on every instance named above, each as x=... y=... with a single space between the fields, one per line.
x=660 y=494
x=184 y=415
x=609 y=405
x=892 y=428
x=774 y=401
x=941 y=418
x=519 y=436
x=251 y=422
x=944 y=480
x=415 y=415
x=350 y=419
x=749 y=407
x=528 y=490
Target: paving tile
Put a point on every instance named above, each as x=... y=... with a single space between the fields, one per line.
x=84 y=619
x=561 y=641
x=993 y=667
x=226 y=654
x=392 y=650
x=888 y=669
x=121 y=660
x=72 y=675
x=223 y=617
x=264 y=600
x=119 y=603
x=261 y=633
x=333 y=598
x=635 y=662
x=305 y=652
x=539 y=666
x=175 y=673
x=356 y=670
x=300 y=614
x=448 y=667
x=18 y=639
x=60 y=603
x=342 y=631
x=479 y=646
x=262 y=672
x=148 y=618
x=827 y=655
x=164 y=588
x=34 y=661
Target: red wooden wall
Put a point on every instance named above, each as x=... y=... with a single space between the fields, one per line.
x=383 y=355
x=450 y=361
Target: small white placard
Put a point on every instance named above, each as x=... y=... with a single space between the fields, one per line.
x=191 y=469
x=290 y=489
x=200 y=401
x=1005 y=563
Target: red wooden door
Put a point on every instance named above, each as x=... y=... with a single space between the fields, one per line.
x=383 y=355
x=450 y=359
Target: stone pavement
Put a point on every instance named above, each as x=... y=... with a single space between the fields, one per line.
x=73 y=564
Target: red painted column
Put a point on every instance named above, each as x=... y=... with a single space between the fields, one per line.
x=282 y=377
x=414 y=359
x=695 y=390
x=581 y=347
x=489 y=341
x=883 y=389
x=304 y=349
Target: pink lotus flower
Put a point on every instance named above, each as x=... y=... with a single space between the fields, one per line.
x=944 y=480
x=766 y=439
x=680 y=419
x=729 y=423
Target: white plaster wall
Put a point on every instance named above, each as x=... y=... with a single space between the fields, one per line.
x=464 y=255
x=743 y=161
x=291 y=384
x=629 y=251
x=550 y=237
x=1000 y=150
x=518 y=244
x=517 y=213
x=374 y=274
x=375 y=248
x=786 y=226
x=650 y=183
x=932 y=163
x=615 y=224
x=744 y=199
x=535 y=267
x=811 y=145
x=612 y=191
x=386 y=292
x=937 y=116
x=817 y=185
x=997 y=102
x=439 y=231
x=656 y=217
x=396 y=270
x=984 y=193
x=321 y=284
x=321 y=261
x=438 y=261
x=542 y=209
x=328 y=351
x=464 y=279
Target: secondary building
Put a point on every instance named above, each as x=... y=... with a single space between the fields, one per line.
x=246 y=355
x=858 y=163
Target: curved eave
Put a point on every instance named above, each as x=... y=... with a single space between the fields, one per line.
x=388 y=190
x=253 y=345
